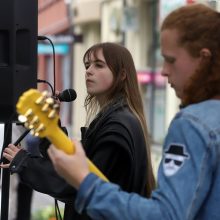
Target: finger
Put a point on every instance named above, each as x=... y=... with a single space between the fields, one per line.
x=54 y=153
x=11 y=151
x=78 y=146
x=52 y=150
x=12 y=147
x=4 y=165
x=50 y=153
x=8 y=157
x=8 y=151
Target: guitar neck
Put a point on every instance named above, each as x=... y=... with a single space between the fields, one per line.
x=62 y=142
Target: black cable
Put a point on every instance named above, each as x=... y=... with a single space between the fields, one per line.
x=57 y=211
x=44 y=81
x=54 y=66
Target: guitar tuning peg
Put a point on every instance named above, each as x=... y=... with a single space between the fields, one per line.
x=40 y=100
x=52 y=114
x=56 y=106
x=36 y=134
x=35 y=120
x=45 y=94
x=22 y=118
x=28 y=113
x=40 y=128
x=26 y=124
x=31 y=126
x=45 y=107
x=32 y=132
x=50 y=101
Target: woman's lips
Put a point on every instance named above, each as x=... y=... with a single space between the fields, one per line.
x=89 y=81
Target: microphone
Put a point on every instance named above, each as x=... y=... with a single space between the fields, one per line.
x=68 y=95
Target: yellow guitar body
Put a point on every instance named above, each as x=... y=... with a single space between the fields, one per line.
x=40 y=115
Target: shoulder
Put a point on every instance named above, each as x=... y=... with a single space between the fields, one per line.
x=123 y=115
x=205 y=114
x=201 y=120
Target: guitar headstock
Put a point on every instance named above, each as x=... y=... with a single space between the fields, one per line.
x=38 y=112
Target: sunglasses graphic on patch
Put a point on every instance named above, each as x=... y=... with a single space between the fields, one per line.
x=174 y=159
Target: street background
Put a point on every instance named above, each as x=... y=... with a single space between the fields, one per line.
x=72 y=29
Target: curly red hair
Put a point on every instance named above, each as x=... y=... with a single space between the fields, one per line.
x=199 y=27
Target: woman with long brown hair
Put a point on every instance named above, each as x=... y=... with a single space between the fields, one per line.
x=122 y=126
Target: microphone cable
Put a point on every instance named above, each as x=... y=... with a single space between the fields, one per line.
x=57 y=210
x=45 y=81
x=42 y=38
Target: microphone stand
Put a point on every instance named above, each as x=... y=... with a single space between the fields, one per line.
x=5 y=173
x=21 y=137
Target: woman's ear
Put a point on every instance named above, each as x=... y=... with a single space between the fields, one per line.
x=205 y=53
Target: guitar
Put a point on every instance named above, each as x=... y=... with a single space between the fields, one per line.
x=38 y=112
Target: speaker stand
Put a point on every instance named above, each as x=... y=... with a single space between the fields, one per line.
x=5 y=175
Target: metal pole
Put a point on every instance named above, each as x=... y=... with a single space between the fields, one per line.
x=5 y=174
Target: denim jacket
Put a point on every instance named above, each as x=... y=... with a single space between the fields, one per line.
x=188 y=176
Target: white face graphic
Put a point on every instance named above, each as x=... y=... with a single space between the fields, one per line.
x=172 y=163
x=174 y=158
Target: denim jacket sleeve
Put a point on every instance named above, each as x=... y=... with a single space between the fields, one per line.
x=184 y=180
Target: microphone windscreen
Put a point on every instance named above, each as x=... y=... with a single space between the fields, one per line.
x=67 y=95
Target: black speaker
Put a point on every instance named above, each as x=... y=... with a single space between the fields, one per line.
x=18 y=53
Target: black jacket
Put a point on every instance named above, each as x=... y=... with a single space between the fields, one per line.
x=114 y=142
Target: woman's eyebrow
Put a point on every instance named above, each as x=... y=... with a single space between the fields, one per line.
x=98 y=60
x=95 y=61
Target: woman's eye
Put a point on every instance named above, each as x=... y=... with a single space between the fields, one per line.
x=99 y=65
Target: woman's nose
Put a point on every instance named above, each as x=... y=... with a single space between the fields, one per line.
x=89 y=70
